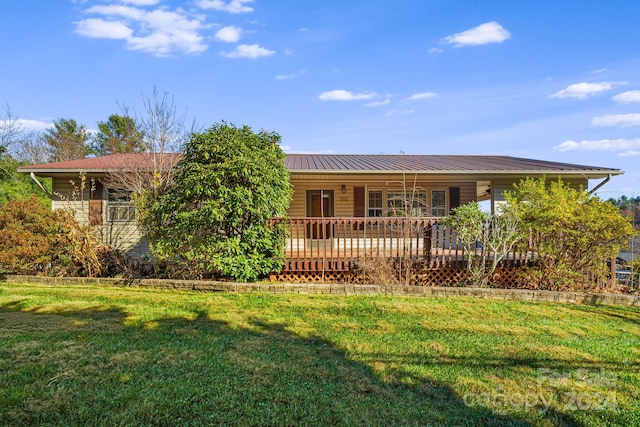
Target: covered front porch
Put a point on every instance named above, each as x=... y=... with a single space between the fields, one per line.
x=329 y=248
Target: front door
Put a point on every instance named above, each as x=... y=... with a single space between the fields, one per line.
x=319 y=205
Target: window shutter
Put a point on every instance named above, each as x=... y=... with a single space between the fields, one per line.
x=358 y=201
x=454 y=197
x=95 y=204
x=95 y=212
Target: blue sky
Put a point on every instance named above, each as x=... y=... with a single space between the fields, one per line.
x=545 y=79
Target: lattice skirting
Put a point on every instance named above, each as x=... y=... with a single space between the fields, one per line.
x=509 y=277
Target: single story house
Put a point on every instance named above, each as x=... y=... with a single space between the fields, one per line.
x=338 y=199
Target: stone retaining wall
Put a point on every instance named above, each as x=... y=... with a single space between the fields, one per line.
x=342 y=289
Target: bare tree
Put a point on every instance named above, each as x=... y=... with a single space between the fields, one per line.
x=23 y=145
x=164 y=131
x=11 y=131
x=33 y=149
x=487 y=239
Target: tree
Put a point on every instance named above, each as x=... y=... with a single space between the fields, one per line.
x=119 y=134
x=228 y=183
x=33 y=149
x=164 y=132
x=496 y=235
x=11 y=131
x=570 y=233
x=67 y=140
x=13 y=139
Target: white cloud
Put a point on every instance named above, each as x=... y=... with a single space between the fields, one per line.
x=141 y=2
x=599 y=70
x=233 y=6
x=28 y=124
x=378 y=103
x=629 y=97
x=290 y=76
x=435 y=50
x=599 y=145
x=158 y=31
x=489 y=32
x=229 y=34
x=398 y=112
x=101 y=29
x=133 y=13
x=252 y=51
x=584 y=90
x=344 y=95
x=422 y=95
x=617 y=120
x=629 y=153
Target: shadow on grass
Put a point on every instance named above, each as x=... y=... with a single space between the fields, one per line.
x=66 y=366
x=627 y=314
x=86 y=367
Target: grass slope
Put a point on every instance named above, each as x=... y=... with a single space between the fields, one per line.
x=109 y=356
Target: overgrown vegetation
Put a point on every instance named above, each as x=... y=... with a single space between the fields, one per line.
x=228 y=182
x=16 y=186
x=72 y=356
x=568 y=232
x=36 y=240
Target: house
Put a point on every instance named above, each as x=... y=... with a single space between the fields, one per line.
x=343 y=205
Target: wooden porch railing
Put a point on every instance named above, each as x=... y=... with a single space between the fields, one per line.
x=336 y=244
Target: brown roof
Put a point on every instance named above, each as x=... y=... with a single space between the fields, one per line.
x=358 y=163
x=98 y=164
x=377 y=163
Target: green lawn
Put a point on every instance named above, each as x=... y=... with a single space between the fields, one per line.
x=74 y=355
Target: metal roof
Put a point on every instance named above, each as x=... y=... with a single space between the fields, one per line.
x=390 y=163
x=99 y=164
x=356 y=163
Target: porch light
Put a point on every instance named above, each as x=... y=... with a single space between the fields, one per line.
x=343 y=188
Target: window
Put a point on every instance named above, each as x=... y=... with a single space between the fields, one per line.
x=120 y=207
x=438 y=202
x=375 y=203
x=410 y=203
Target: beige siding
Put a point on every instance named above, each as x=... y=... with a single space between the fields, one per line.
x=68 y=193
x=344 y=202
x=124 y=236
x=71 y=193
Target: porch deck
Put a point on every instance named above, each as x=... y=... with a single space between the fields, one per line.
x=336 y=244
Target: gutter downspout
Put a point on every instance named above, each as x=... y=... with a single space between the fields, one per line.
x=597 y=187
x=39 y=184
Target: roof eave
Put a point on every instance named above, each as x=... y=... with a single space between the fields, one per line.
x=592 y=173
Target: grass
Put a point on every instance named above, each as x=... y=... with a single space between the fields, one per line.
x=86 y=355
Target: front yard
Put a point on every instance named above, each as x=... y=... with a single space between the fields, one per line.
x=88 y=355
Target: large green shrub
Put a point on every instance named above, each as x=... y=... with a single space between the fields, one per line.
x=569 y=233
x=227 y=184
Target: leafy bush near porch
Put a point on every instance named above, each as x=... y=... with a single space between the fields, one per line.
x=228 y=183
x=569 y=232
